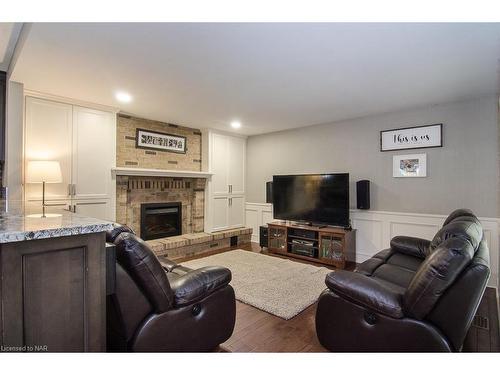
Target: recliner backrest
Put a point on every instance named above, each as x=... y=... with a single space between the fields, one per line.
x=458 y=213
x=138 y=260
x=467 y=227
x=455 y=310
x=436 y=273
x=127 y=308
x=112 y=234
x=450 y=252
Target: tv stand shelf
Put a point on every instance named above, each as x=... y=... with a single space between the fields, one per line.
x=324 y=245
x=302 y=238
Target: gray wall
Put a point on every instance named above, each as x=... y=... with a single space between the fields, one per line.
x=463 y=173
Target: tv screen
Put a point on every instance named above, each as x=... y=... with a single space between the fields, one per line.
x=318 y=199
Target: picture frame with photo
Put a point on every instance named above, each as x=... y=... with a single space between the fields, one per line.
x=410 y=165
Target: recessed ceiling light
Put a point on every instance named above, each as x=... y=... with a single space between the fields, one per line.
x=236 y=124
x=123 y=97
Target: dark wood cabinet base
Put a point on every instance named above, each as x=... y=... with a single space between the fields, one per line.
x=53 y=294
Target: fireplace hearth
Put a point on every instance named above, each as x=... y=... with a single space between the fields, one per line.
x=161 y=220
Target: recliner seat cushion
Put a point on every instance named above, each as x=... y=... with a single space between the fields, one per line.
x=394 y=274
x=405 y=261
x=391 y=267
x=370 y=265
x=135 y=256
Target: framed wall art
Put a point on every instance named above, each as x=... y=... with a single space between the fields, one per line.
x=412 y=165
x=152 y=140
x=412 y=138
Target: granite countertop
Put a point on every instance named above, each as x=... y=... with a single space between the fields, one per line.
x=16 y=226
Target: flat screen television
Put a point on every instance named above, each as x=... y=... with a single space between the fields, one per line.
x=313 y=198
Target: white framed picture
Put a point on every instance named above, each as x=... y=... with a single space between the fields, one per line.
x=411 y=165
x=424 y=136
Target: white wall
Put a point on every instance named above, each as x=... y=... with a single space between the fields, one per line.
x=14 y=138
x=374 y=230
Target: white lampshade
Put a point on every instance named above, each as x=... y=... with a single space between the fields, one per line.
x=43 y=171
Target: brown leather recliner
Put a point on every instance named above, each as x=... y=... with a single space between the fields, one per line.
x=164 y=307
x=417 y=296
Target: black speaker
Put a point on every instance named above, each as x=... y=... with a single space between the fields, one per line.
x=264 y=236
x=269 y=192
x=363 y=194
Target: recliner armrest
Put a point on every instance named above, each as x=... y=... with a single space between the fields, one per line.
x=414 y=246
x=198 y=284
x=167 y=264
x=366 y=291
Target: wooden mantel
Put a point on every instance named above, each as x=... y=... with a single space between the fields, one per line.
x=124 y=171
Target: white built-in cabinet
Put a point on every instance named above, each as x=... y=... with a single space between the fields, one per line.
x=83 y=140
x=224 y=156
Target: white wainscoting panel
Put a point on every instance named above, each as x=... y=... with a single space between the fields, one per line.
x=374 y=230
x=257 y=214
x=253 y=219
x=369 y=239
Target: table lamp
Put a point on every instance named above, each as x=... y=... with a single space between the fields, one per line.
x=45 y=172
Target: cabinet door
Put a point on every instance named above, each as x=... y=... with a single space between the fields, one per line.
x=94 y=153
x=236 y=164
x=277 y=239
x=236 y=211
x=48 y=135
x=99 y=209
x=34 y=207
x=219 y=165
x=54 y=293
x=220 y=213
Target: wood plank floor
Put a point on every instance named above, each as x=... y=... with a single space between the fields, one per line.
x=259 y=331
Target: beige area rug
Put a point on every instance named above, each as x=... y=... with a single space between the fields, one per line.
x=279 y=286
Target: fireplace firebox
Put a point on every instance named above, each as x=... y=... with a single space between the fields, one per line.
x=161 y=220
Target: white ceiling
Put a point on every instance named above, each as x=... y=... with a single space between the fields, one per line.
x=269 y=76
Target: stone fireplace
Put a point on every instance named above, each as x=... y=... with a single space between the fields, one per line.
x=135 y=196
x=156 y=207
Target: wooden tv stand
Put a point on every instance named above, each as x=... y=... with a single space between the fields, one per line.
x=329 y=244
